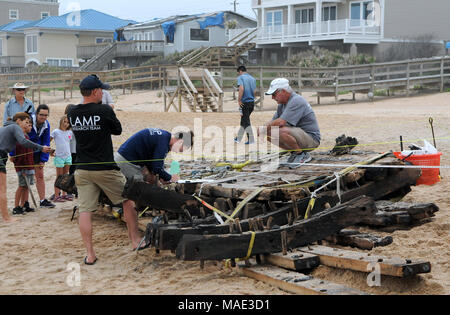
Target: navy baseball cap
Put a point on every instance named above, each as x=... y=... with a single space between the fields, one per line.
x=92 y=82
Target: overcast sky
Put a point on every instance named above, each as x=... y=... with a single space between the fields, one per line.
x=144 y=10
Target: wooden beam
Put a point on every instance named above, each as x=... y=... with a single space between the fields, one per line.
x=295 y=282
x=302 y=233
x=359 y=240
x=352 y=260
x=296 y=260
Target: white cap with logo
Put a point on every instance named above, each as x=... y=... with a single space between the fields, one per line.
x=280 y=83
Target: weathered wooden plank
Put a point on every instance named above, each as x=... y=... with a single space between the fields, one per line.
x=417 y=211
x=218 y=247
x=352 y=260
x=359 y=240
x=295 y=282
x=296 y=260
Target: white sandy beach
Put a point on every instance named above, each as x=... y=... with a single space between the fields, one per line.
x=37 y=250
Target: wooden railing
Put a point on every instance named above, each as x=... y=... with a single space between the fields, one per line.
x=124 y=49
x=405 y=75
x=68 y=81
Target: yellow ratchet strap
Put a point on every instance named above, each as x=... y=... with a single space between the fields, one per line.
x=213 y=208
x=244 y=202
x=310 y=207
x=249 y=252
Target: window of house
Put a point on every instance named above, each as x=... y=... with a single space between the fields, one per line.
x=304 y=15
x=45 y=15
x=360 y=11
x=274 y=18
x=66 y=63
x=199 y=34
x=329 y=13
x=54 y=62
x=14 y=14
x=1 y=47
x=99 y=40
x=32 y=44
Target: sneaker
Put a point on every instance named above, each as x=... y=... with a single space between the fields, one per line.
x=59 y=199
x=68 y=197
x=236 y=140
x=27 y=208
x=292 y=158
x=18 y=211
x=301 y=159
x=46 y=204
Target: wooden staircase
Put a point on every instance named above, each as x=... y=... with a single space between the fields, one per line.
x=207 y=96
x=217 y=56
x=99 y=61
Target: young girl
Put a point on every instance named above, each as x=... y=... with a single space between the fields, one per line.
x=63 y=157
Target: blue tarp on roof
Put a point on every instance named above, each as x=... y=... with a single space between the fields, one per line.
x=447 y=46
x=217 y=20
x=91 y=20
x=169 y=29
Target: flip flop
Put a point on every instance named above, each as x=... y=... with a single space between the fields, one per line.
x=90 y=264
x=147 y=245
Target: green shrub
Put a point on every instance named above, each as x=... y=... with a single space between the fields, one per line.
x=323 y=58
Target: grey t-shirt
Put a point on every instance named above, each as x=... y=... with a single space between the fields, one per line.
x=299 y=113
x=12 y=134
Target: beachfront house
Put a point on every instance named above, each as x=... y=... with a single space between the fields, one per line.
x=14 y=10
x=54 y=40
x=187 y=32
x=352 y=26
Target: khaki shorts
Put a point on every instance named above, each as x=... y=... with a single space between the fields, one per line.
x=304 y=140
x=90 y=183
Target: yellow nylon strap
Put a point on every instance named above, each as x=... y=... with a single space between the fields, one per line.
x=213 y=208
x=244 y=202
x=249 y=252
x=310 y=207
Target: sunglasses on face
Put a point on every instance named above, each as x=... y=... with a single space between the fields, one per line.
x=20 y=90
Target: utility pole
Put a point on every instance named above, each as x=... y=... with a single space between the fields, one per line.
x=235 y=3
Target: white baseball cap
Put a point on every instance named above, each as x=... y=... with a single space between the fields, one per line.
x=280 y=83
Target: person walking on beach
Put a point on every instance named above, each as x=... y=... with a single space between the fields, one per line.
x=18 y=104
x=246 y=101
x=11 y=134
x=93 y=125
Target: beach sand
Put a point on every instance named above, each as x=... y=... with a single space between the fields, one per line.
x=37 y=251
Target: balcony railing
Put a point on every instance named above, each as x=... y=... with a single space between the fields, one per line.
x=12 y=61
x=123 y=49
x=328 y=30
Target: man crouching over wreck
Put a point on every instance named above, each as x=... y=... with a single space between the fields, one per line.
x=93 y=124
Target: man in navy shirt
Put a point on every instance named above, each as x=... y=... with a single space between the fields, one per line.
x=147 y=149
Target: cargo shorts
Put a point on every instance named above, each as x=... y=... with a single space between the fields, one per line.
x=304 y=140
x=91 y=183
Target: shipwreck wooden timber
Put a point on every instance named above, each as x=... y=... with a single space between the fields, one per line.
x=352 y=260
x=359 y=240
x=319 y=226
x=169 y=237
x=161 y=199
x=295 y=282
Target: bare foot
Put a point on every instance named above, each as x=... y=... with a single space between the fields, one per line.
x=10 y=220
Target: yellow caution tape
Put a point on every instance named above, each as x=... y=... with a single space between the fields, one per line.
x=249 y=252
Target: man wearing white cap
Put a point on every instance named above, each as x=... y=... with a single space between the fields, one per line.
x=298 y=127
x=18 y=104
